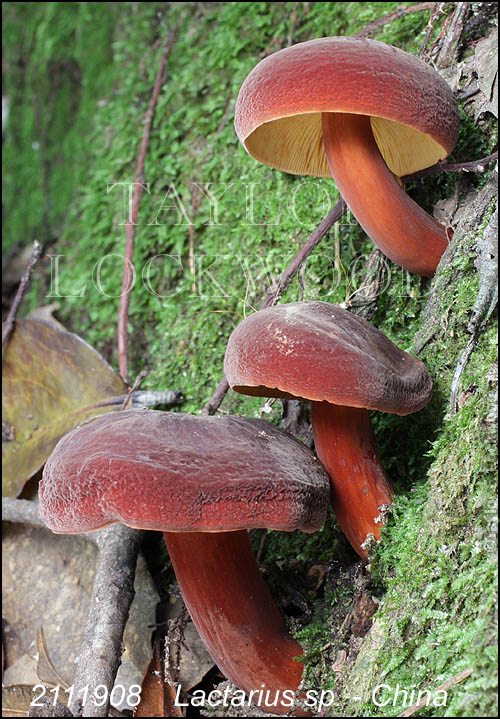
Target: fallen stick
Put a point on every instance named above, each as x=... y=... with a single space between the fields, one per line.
x=442 y=688
x=131 y=222
x=112 y=595
x=21 y=511
x=276 y=290
x=395 y=15
x=472 y=166
x=9 y=322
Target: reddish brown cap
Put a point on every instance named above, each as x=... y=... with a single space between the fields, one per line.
x=278 y=111
x=178 y=472
x=320 y=352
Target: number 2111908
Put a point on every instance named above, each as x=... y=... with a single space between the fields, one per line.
x=99 y=694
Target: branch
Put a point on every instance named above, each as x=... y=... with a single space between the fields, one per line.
x=132 y=221
x=197 y=195
x=215 y=400
x=446 y=686
x=395 y=15
x=112 y=595
x=363 y=301
x=275 y=291
x=9 y=322
x=21 y=511
x=472 y=166
x=24 y=511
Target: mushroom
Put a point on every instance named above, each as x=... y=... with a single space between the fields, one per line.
x=365 y=113
x=319 y=352
x=202 y=481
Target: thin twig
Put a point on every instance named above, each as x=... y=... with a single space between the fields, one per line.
x=197 y=195
x=461 y=364
x=363 y=300
x=218 y=395
x=135 y=386
x=148 y=398
x=131 y=222
x=276 y=290
x=191 y=258
x=293 y=22
x=41 y=130
x=173 y=641
x=442 y=688
x=262 y=544
x=395 y=15
x=472 y=166
x=9 y=322
x=142 y=398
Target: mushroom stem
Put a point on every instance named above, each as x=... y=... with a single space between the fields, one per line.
x=235 y=615
x=345 y=444
x=399 y=227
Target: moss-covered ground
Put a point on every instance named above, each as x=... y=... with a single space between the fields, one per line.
x=79 y=77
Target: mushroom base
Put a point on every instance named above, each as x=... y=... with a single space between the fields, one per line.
x=399 y=227
x=235 y=615
x=346 y=445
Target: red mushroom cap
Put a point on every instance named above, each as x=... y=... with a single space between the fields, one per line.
x=177 y=472
x=279 y=107
x=318 y=351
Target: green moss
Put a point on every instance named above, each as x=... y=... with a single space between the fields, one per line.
x=80 y=76
x=437 y=563
x=57 y=66
x=321 y=545
x=205 y=71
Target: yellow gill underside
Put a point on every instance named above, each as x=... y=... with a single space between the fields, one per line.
x=294 y=144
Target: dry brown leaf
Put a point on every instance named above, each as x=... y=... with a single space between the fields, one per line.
x=47 y=673
x=52 y=381
x=157 y=696
x=17 y=699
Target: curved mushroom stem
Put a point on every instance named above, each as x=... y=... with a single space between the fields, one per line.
x=235 y=615
x=399 y=227
x=345 y=444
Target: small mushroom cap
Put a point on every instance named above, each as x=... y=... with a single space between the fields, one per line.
x=320 y=352
x=278 y=111
x=178 y=472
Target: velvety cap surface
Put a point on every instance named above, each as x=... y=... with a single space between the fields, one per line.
x=278 y=111
x=179 y=472
x=319 y=351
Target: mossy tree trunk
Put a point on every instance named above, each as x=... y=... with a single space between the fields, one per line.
x=434 y=572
